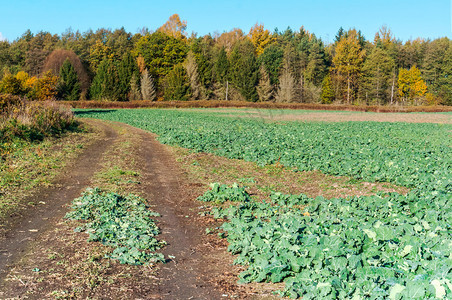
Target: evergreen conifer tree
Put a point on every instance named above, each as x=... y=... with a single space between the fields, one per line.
x=68 y=86
x=264 y=89
x=177 y=85
x=147 y=86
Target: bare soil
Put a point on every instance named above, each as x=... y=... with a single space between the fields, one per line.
x=334 y=116
x=41 y=256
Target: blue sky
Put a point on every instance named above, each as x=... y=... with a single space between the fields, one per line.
x=406 y=19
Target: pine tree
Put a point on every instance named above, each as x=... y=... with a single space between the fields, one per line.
x=147 y=86
x=377 y=79
x=177 y=85
x=327 y=90
x=244 y=71
x=135 y=93
x=68 y=85
x=105 y=84
x=221 y=66
x=286 y=91
x=264 y=89
x=287 y=83
x=192 y=72
x=126 y=68
x=348 y=61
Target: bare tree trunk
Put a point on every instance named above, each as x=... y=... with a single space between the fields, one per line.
x=392 y=89
x=227 y=89
x=378 y=83
x=348 y=89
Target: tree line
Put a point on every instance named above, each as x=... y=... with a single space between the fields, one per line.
x=279 y=66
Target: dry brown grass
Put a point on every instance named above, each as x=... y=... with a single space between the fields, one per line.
x=218 y=104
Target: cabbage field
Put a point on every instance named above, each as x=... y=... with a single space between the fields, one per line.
x=385 y=246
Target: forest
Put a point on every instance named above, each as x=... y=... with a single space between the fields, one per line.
x=261 y=65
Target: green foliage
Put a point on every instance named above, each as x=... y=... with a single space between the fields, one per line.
x=32 y=121
x=437 y=68
x=11 y=85
x=68 y=85
x=272 y=58
x=327 y=90
x=377 y=246
x=244 y=71
x=161 y=52
x=127 y=67
x=123 y=223
x=221 y=66
x=105 y=84
x=383 y=246
x=377 y=76
x=202 y=48
x=177 y=85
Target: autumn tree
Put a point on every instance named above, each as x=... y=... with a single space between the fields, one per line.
x=57 y=58
x=98 y=53
x=327 y=95
x=10 y=84
x=287 y=88
x=348 y=62
x=228 y=40
x=191 y=68
x=148 y=91
x=135 y=91
x=411 y=86
x=286 y=91
x=47 y=86
x=160 y=53
x=264 y=88
x=68 y=84
x=260 y=37
x=174 y=27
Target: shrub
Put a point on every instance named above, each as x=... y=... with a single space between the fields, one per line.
x=32 y=120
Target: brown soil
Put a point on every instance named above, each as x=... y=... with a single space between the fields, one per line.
x=26 y=227
x=334 y=116
x=39 y=239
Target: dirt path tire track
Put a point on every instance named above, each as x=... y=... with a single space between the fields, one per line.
x=185 y=276
x=52 y=202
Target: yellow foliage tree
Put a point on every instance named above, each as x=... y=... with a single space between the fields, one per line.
x=261 y=38
x=174 y=27
x=348 y=60
x=229 y=39
x=99 y=52
x=47 y=86
x=411 y=86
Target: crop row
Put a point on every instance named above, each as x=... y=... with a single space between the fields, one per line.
x=387 y=245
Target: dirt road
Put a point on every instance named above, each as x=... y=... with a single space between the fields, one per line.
x=182 y=277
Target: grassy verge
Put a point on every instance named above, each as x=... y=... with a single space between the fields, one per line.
x=261 y=181
x=67 y=266
x=29 y=165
